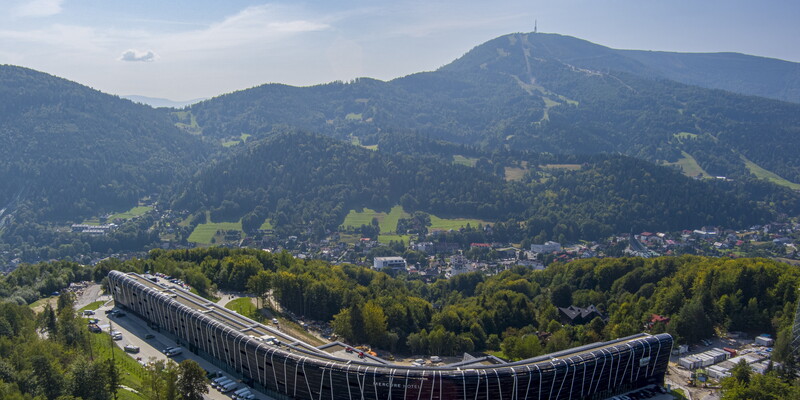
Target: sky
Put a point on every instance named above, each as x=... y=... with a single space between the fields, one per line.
x=187 y=49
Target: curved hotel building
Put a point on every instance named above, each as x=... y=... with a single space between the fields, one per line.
x=287 y=368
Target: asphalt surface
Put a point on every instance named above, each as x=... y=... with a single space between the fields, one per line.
x=134 y=330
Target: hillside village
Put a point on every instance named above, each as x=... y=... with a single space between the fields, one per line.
x=438 y=252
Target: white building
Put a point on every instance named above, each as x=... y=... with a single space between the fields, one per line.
x=547 y=247
x=765 y=341
x=380 y=263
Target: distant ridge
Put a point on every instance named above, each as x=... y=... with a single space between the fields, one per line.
x=734 y=72
x=157 y=102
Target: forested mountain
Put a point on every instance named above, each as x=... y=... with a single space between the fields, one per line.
x=70 y=151
x=543 y=93
x=733 y=72
x=304 y=182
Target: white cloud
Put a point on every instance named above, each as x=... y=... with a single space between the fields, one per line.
x=260 y=24
x=136 y=55
x=38 y=8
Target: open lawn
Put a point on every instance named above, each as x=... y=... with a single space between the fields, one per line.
x=203 y=233
x=387 y=222
x=242 y=139
x=266 y=225
x=454 y=223
x=133 y=212
x=762 y=173
x=92 y=306
x=685 y=135
x=386 y=238
x=243 y=306
x=348 y=238
x=188 y=122
x=515 y=173
x=468 y=161
x=689 y=166
x=130 y=371
x=570 y=167
x=39 y=305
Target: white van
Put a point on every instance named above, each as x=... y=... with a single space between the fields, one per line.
x=174 y=351
x=220 y=381
x=229 y=387
x=245 y=395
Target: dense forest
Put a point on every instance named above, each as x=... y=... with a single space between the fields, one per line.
x=304 y=182
x=521 y=91
x=71 y=151
x=51 y=355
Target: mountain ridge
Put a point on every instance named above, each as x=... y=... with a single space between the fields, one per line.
x=75 y=150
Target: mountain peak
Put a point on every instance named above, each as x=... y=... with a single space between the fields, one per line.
x=516 y=53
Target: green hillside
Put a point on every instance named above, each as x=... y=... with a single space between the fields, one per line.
x=542 y=93
x=310 y=184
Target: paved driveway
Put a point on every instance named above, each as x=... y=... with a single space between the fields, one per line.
x=134 y=330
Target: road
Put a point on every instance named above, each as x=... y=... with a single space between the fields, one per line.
x=133 y=331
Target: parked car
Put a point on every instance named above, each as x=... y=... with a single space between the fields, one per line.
x=149 y=336
x=173 y=351
x=215 y=383
x=131 y=348
x=88 y=312
x=116 y=335
x=229 y=387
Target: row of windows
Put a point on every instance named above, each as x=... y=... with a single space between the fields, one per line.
x=585 y=375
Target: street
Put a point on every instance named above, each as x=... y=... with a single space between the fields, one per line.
x=134 y=330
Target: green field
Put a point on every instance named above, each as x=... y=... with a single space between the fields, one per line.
x=689 y=166
x=266 y=225
x=353 y=117
x=387 y=222
x=685 y=135
x=242 y=139
x=762 y=173
x=203 y=233
x=516 y=173
x=386 y=238
x=130 y=371
x=569 y=167
x=92 y=306
x=133 y=212
x=349 y=238
x=454 y=223
x=468 y=161
x=188 y=122
x=243 y=306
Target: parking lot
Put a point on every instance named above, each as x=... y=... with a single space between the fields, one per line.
x=135 y=332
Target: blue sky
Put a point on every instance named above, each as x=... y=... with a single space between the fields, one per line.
x=180 y=49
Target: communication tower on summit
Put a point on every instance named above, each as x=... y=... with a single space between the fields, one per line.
x=534 y=26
